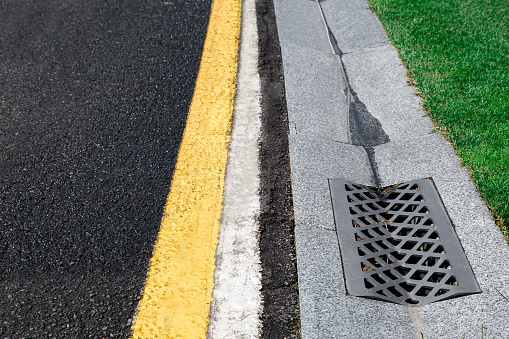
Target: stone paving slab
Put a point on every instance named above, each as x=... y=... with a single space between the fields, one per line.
x=378 y=77
x=315 y=93
x=314 y=161
x=330 y=313
x=432 y=156
x=300 y=18
x=354 y=25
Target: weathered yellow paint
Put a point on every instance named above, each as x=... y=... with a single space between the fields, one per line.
x=177 y=297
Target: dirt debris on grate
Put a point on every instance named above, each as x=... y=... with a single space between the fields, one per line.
x=398 y=244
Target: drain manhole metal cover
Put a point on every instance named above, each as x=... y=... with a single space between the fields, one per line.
x=398 y=244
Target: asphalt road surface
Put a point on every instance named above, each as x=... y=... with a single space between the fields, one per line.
x=94 y=97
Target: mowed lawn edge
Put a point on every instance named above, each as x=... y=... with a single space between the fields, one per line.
x=457 y=56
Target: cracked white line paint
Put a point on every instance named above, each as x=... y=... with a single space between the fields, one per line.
x=235 y=311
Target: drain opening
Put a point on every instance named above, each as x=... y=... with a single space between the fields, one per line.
x=398 y=244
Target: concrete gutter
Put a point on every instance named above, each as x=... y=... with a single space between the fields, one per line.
x=319 y=85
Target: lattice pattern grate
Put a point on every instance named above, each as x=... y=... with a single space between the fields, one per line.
x=398 y=244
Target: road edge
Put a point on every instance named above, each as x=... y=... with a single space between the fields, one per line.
x=176 y=300
x=237 y=303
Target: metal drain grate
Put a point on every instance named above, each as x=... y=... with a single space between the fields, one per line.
x=398 y=244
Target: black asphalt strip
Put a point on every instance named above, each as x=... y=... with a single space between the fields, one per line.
x=94 y=97
x=280 y=292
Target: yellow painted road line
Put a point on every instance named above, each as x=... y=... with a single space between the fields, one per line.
x=177 y=297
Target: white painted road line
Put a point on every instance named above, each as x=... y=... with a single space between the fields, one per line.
x=236 y=308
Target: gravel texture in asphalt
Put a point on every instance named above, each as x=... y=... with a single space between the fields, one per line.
x=93 y=103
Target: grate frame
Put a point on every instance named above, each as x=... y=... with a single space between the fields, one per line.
x=398 y=244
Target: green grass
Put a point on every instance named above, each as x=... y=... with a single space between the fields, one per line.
x=457 y=54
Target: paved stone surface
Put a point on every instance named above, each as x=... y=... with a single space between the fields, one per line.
x=299 y=20
x=330 y=313
x=354 y=26
x=313 y=162
x=432 y=156
x=378 y=77
x=315 y=94
x=315 y=90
